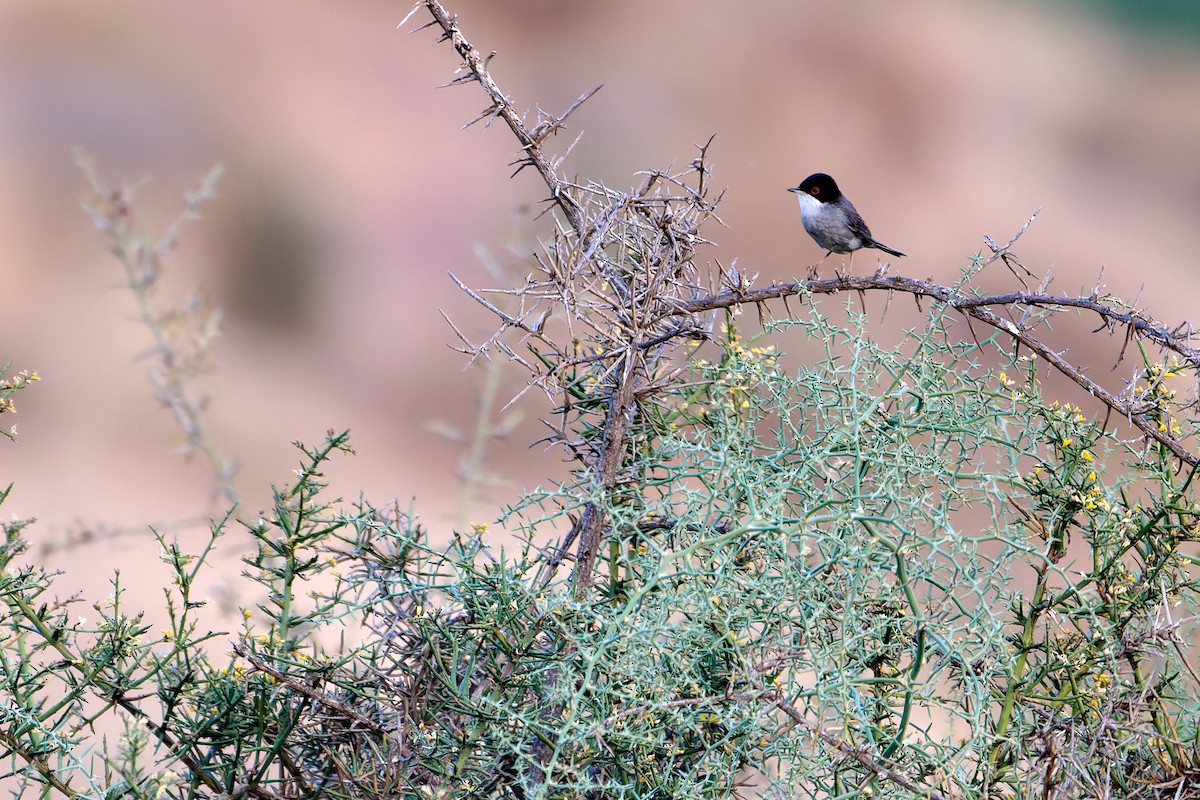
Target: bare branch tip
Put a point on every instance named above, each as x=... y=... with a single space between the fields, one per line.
x=416 y=7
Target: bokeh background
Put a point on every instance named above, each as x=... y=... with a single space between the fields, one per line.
x=351 y=190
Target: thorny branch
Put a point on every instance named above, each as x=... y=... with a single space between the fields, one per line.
x=652 y=230
x=625 y=260
x=531 y=141
x=315 y=694
x=857 y=754
x=1132 y=408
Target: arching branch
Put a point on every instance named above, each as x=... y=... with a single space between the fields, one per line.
x=980 y=307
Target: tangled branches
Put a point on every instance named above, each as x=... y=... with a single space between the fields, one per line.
x=621 y=277
x=607 y=323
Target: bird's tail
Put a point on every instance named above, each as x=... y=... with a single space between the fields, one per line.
x=884 y=248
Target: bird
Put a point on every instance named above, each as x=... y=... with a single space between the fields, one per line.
x=832 y=220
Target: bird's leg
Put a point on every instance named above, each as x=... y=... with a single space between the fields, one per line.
x=843 y=275
x=813 y=269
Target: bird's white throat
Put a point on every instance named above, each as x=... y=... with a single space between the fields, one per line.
x=809 y=205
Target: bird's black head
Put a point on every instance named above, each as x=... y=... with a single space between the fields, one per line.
x=820 y=186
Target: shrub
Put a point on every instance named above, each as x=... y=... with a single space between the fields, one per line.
x=899 y=571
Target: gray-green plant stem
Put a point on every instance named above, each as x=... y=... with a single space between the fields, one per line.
x=856 y=754
x=38 y=761
x=1013 y=689
x=92 y=679
x=316 y=695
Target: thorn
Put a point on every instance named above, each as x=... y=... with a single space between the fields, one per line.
x=429 y=24
x=466 y=77
x=416 y=7
x=488 y=113
x=521 y=164
x=554 y=124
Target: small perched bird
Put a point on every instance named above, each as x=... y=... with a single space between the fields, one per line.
x=832 y=220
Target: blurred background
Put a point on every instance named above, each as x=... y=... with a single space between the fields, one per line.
x=351 y=190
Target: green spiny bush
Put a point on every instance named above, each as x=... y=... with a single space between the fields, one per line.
x=895 y=571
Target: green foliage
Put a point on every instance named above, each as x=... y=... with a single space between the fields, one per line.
x=898 y=545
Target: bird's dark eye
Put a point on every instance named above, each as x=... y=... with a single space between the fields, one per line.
x=816 y=190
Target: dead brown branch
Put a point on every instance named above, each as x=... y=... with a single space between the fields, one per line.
x=617 y=277
x=531 y=141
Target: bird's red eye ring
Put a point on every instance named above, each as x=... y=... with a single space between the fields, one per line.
x=814 y=191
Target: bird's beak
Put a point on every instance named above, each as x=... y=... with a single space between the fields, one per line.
x=794 y=189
